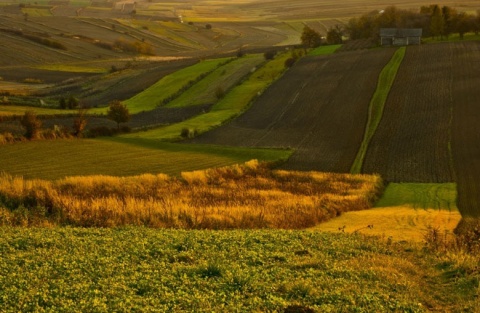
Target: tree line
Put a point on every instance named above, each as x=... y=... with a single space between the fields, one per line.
x=434 y=20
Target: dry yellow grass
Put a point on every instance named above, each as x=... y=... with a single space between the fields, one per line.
x=240 y=196
x=399 y=223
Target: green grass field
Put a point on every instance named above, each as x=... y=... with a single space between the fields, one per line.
x=385 y=82
x=323 y=50
x=170 y=85
x=120 y=157
x=223 y=77
x=235 y=102
x=147 y=270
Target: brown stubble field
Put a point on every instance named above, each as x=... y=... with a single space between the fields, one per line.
x=465 y=125
x=411 y=143
x=309 y=110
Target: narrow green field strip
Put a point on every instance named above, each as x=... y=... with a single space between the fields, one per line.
x=324 y=50
x=234 y=103
x=120 y=157
x=8 y=110
x=385 y=82
x=420 y=196
x=223 y=77
x=168 y=86
x=72 y=68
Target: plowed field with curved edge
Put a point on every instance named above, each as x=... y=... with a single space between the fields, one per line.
x=308 y=109
x=465 y=132
x=411 y=143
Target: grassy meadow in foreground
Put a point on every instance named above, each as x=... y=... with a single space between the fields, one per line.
x=147 y=270
x=240 y=196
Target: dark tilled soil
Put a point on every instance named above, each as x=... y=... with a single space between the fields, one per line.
x=411 y=141
x=309 y=110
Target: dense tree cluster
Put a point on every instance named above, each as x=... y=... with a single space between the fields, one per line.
x=436 y=21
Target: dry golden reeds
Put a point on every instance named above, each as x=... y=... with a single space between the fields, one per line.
x=240 y=196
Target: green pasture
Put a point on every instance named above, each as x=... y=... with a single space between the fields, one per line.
x=170 y=85
x=385 y=82
x=120 y=157
x=223 y=77
x=234 y=103
x=323 y=50
x=420 y=196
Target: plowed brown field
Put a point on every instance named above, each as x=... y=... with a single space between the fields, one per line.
x=319 y=107
x=465 y=125
x=411 y=141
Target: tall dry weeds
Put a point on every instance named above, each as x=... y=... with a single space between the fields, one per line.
x=240 y=196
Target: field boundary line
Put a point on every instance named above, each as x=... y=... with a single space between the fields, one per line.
x=377 y=104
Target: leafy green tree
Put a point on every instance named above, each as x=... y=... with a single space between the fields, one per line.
x=72 y=102
x=118 y=112
x=310 y=38
x=437 y=22
x=32 y=124
x=62 y=103
x=334 y=35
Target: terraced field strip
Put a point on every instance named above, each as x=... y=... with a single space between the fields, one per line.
x=8 y=110
x=170 y=85
x=120 y=157
x=309 y=110
x=324 y=50
x=234 y=103
x=466 y=119
x=405 y=212
x=411 y=143
x=377 y=104
x=223 y=78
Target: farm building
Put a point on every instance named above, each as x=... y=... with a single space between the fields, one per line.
x=400 y=36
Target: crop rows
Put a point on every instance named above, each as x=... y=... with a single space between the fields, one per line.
x=309 y=110
x=466 y=118
x=411 y=143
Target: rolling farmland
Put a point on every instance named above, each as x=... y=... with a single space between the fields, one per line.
x=466 y=117
x=308 y=110
x=411 y=143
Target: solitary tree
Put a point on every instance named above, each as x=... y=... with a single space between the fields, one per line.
x=79 y=122
x=310 y=38
x=32 y=124
x=118 y=112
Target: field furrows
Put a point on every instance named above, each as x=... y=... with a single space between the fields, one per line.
x=309 y=110
x=466 y=118
x=411 y=143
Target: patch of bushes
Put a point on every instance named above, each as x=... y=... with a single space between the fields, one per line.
x=188 y=133
x=104 y=131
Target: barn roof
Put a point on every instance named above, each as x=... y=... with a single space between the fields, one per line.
x=401 y=32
